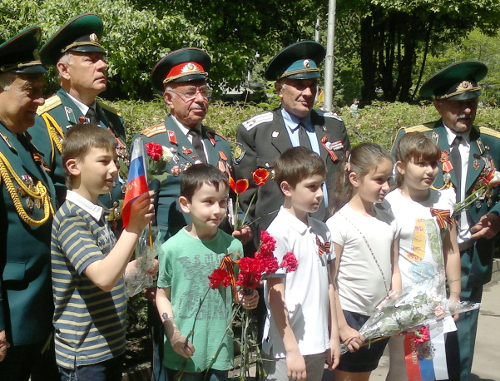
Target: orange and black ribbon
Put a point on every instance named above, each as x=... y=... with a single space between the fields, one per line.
x=442 y=216
x=323 y=247
x=330 y=151
x=227 y=263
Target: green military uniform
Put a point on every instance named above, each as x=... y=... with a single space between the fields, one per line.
x=27 y=202
x=79 y=35
x=169 y=217
x=457 y=83
x=54 y=119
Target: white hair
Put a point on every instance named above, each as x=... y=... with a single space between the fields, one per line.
x=6 y=80
x=66 y=58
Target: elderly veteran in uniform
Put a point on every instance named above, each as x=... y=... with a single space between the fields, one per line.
x=182 y=78
x=80 y=62
x=27 y=204
x=264 y=137
x=469 y=154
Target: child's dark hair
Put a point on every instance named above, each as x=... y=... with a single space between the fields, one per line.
x=417 y=146
x=197 y=175
x=297 y=164
x=362 y=159
x=78 y=142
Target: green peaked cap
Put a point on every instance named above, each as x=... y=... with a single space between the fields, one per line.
x=80 y=34
x=457 y=81
x=19 y=54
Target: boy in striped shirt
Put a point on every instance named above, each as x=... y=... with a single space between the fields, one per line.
x=88 y=263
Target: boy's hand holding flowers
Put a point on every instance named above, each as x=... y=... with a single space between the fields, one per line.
x=248 y=301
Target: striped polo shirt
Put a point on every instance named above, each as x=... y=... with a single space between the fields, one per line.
x=90 y=324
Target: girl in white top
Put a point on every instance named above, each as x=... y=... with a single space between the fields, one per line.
x=427 y=242
x=364 y=238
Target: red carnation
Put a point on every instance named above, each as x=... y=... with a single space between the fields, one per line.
x=290 y=262
x=260 y=176
x=267 y=244
x=250 y=272
x=422 y=335
x=219 y=277
x=270 y=264
x=154 y=151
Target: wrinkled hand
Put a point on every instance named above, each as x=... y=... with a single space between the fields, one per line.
x=244 y=234
x=4 y=344
x=351 y=338
x=296 y=366
x=487 y=227
x=182 y=345
x=250 y=301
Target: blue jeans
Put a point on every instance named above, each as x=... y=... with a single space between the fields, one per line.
x=109 y=370
x=212 y=375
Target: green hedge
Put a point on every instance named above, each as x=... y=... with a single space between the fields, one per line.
x=376 y=123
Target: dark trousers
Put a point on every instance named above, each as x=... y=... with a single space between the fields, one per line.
x=109 y=370
x=158 y=370
x=460 y=344
x=25 y=361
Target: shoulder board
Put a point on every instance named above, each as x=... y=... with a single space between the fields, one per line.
x=258 y=119
x=490 y=132
x=109 y=108
x=419 y=128
x=154 y=130
x=49 y=104
x=329 y=114
x=212 y=131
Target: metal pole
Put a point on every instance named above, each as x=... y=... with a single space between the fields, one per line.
x=329 y=56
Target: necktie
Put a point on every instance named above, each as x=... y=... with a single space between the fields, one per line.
x=303 y=138
x=456 y=161
x=92 y=115
x=198 y=145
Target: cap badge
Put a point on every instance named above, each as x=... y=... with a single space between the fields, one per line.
x=93 y=37
x=189 y=67
x=307 y=64
x=464 y=86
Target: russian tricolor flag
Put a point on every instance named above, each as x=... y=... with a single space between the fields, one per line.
x=137 y=182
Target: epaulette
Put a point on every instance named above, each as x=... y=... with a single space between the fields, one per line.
x=419 y=128
x=258 y=119
x=329 y=114
x=490 y=132
x=212 y=131
x=109 y=108
x=49 y=104
x=154 y=130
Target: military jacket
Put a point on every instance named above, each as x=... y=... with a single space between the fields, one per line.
x=54 y=119
x=27 y=202
x=262 y=139
x=169 y=217
x=484 y=148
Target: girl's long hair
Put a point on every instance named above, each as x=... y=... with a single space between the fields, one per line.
x=362 y=159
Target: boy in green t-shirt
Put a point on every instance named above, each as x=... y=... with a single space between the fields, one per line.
x=186 y=261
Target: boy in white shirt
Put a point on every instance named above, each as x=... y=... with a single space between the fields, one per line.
x=301 y=328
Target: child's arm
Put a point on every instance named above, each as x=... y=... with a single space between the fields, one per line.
x=349 y=336
x=334 y=355
x=396 y=282
x=179 y=342
x=106 y=272
x=295 y=363
x=451 y=254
